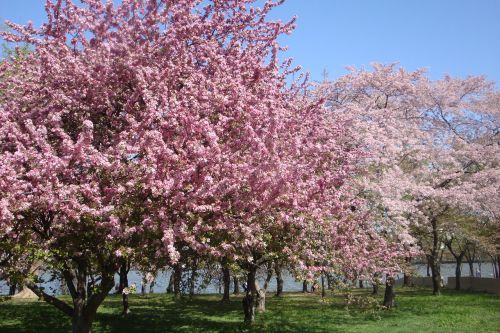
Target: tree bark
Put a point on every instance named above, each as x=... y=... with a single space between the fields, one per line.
x=177 y=280
x=193 y=277
x=389 y=295
x=12 y=289
x=323 y=291
x=434 y=259
x=236 y=285
x=269 y=275
x=436 y=276
x=250 y=299
x=374 y=288
x=226 y=280
x=84 y=308
x=329 y=280
x=123 y=276
x=126 y=308
x=304 y=286
x=123 y=283
x=152 y=287
x=170 y=287
x=406 y=276
x=458 y=273
x=471 y=268
x=279 y=280
x=361 y=286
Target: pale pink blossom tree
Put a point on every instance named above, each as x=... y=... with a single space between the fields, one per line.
x=433 y=146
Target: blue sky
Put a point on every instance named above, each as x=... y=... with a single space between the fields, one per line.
x=456 y=37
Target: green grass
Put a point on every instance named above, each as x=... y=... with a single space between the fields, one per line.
x=417 y=311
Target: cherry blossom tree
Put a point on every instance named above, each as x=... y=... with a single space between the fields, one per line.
x=433 y=146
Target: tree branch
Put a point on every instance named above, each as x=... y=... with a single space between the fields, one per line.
x=64 y=307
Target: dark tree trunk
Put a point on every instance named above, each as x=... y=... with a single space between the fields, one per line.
x=177 y=280
x=250 y=299
x=152 y=287
x=261 y=292
x=374 y=288
x=170 y=287
x=458 y=258
x=458 y=274
x=471 y=267
x=361 y=286
x=226 y=280
x=12 y=289
x=123 y=276
x=323 y=290
x=406 y=280
x=123 y=283
x=436 y=276
x=495 y=262
x=143 y=288
x=497 y=266
x=81 y=324
x=126 y=308
x=389 y=295
x=428 y=268
x=236 y=285
x=329 y=280
x=279 y=280
x=269 y=275
x=406 y=276
x=192 y=278
x=84 y=308
x=435 y=259
x=304 y=286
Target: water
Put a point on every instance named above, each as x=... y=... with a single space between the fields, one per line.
x=290 y=284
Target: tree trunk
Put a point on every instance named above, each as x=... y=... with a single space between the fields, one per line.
x=406 y=276
x=495 y=260
x=250 y=299
x=261 y=298
x=497 y=266
x=304 y=286
x=323 y=291
x=389 y=294
x=269 y=275
x=279 y=280
x=361 y=286
x=192 y=278
x=12 y=289
x=152 y=287
x=435 y=259
x=143 y=288
x=226 y=280
x=471 y=267
x=458 y=273
x=374 y=288
x=236 y=285
x=329 y=280
x=436 y=276
x=126 y=308
x=123 y=276
x=406 y=280
x=170 y=287
x=177 y=280
x=81 y=324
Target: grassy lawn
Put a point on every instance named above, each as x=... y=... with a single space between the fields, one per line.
x=417 y=311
